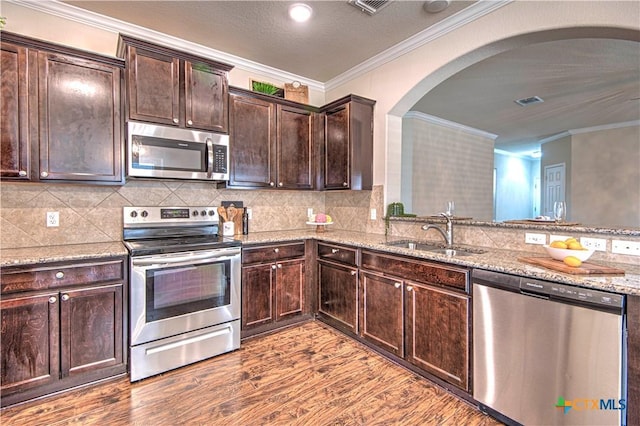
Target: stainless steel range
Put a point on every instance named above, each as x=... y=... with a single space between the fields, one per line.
x=184 y=288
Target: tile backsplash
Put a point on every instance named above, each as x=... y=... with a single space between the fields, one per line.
x=91 y=214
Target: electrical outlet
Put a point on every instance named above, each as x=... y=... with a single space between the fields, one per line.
x=53 y=219
x=625 y=247
x=531 y=238
x=553 y=238
x=374 y=214
x=598 y=244
x=249 y=213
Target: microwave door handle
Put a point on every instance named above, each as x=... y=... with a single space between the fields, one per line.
x=181 y=259
x=209 y=158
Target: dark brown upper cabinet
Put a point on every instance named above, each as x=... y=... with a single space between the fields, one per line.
x=347 y=152
x=170 y=87
x=271 y=142
x=62 y=109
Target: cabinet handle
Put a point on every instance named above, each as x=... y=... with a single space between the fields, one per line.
x=22 y=173
x=273 y=266
x=272 y=184
x=334 y=251
x=190 y=122
x=44 y=174
x=65 y=297
x=354 y=272
x=52 y=299
x=276 y=250
x=345 y=184
x=175 y=120
x=409 y=288
x=279 y=265
x=59 y=275
x=397 y=285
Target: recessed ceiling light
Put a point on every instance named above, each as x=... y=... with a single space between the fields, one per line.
x=300 y=12
x=435 y=6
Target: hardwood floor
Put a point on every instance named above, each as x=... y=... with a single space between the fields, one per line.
x=305 y=375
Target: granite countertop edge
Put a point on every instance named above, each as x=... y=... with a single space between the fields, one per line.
x=505 y=261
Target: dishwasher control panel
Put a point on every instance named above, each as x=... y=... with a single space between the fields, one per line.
x=563 y=291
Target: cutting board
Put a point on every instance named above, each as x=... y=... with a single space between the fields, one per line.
x=586 y=268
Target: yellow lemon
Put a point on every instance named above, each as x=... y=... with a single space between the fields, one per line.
x=558 y=244
x=574 y=245
x=572 y=261
x=329 y=219
x=570 y=240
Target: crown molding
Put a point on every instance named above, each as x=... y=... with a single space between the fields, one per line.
x=605 y=127
x=117 y=26
x=457 y=20
x=450 y=124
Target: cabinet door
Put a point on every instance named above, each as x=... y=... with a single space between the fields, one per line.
x=206 y=97
x=438 y=332
x=336 y=165
x=252 y=133
x=79 y=119
x=289 y=288
x=257 y=290
x=30 y=342
x=91 y=329
x=338 y=294
x=294 y=150
x=15 y=81
x=153 y=86
x=383 y=313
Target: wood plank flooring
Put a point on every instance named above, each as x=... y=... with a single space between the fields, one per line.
x=305 y=375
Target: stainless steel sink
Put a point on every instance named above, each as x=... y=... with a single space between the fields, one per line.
x=435 y=248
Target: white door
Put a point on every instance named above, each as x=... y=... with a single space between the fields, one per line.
x=554 y=186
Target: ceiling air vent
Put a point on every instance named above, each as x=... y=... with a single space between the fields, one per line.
x=529 y=101
x=370 y=7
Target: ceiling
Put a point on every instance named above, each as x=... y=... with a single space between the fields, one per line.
x=584 y=83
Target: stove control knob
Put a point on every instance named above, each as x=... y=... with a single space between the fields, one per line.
x=203 y=213
x=144 y=213
x=134 y=214
x=211 y=213
x=195 y=213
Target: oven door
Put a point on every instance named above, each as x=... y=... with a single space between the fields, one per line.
x=179 y=292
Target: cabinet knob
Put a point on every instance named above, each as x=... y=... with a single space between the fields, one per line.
x=22 y=173
x=189 y=122
x=279 y=265
x=65 y=297
x=280 y=184
x=354 y=272
x=334 y=251
x=59 y=275
x=44 y=174
x=175 y=120
x=409 y=288
x=276 y=250
x=52 y=299
x=273 y=266
x=272 y=184
x=397 y=285
x=345 y=184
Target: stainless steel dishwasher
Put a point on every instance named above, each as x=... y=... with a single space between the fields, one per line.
x=547 y=353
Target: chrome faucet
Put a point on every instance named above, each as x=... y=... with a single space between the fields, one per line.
x=448 y=235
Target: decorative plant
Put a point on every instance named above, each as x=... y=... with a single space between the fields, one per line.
x=268 y=88
x=3 y=21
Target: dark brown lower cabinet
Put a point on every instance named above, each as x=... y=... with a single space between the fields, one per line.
x=62 y=326
x=273 y=286
x=338 y=295
x=418 y=311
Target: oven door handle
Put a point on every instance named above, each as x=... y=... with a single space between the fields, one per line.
x=182 y=259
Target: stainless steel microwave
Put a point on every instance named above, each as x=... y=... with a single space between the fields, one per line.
x=155 y=151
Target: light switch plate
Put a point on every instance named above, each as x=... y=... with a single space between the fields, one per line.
x=625 y=247
x=531 y=238
x=374 y=214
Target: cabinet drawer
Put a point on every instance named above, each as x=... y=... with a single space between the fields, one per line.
x=60 y=276
x=416 y=270
x=272 y=253
x=336 y=253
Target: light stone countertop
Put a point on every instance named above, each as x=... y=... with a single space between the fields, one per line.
x=494 y=260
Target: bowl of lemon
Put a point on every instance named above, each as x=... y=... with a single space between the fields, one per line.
x=570 y=251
